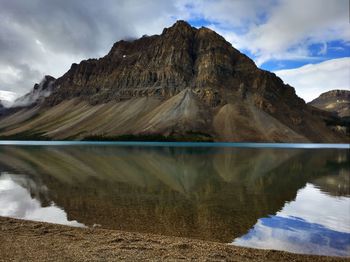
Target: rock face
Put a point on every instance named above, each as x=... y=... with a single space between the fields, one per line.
x=186 y=82
x=161 y=65
x=336 y=101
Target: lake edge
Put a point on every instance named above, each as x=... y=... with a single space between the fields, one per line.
x=178 y=144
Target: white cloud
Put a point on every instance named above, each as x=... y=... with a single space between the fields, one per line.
x=299 y=23
x=323 y=50
x=280 y=29
x=7 y=97
x=40 y=37
x=311 y=80
x=228 y=13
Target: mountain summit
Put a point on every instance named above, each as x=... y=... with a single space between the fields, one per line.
x=185 y=84
x=336 y=101
x=160 y=65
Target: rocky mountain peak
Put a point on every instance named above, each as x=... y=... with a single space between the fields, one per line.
x=343 y=94
x=161 y=66
x=39 y=92
x=180 y=26
x=45 y=83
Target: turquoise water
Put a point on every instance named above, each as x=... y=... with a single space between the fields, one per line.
x=177 y=144
x=292 y=197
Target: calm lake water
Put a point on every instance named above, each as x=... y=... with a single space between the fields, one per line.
x=287 y=197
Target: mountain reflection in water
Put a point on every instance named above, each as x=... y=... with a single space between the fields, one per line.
x=217 y=194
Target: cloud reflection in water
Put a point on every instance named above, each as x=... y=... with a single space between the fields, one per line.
x=314 y=223
x=17 y=202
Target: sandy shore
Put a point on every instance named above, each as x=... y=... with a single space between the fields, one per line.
x=35 y=241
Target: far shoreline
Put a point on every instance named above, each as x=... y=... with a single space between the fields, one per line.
x=177 y=144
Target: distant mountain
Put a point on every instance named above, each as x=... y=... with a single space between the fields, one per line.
x=334 y=109
x=7 y=98
x=336 y=101
x=2 y=108
x=39 y=93
x=185 y=84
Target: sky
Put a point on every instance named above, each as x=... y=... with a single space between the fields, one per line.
x=305 y=42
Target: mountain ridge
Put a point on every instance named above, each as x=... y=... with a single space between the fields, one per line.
x=184 y=81
x=170 y=69
x=336 y=101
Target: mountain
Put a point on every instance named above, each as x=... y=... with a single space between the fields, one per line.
x=2 y=108
x=39 y=93
x=335 y=105
x=184 y=84
x=336 y=101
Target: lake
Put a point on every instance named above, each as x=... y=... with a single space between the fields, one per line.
x=292 y=197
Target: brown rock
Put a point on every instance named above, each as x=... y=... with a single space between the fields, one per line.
x=335 y=101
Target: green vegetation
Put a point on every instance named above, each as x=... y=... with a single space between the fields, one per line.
x=26 y=136
x=188 y=137
x=345 y=121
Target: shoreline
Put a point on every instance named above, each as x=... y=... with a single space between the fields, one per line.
x=39 y=241
x=273 y=145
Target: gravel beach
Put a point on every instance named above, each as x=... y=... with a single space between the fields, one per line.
x=36 y=241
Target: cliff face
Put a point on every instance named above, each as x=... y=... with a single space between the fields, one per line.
x=336 y=101
x=184 y=81
x=161 y=65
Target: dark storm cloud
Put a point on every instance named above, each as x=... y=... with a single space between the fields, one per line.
x=40 y=37
x=65 y=25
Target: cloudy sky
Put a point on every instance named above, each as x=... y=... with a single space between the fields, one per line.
x=305 y=42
